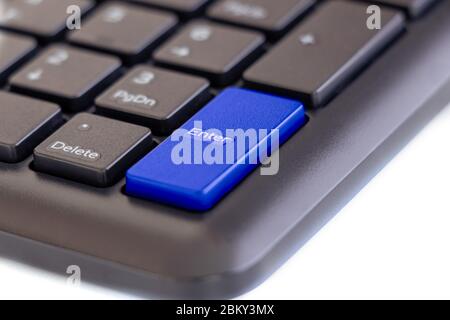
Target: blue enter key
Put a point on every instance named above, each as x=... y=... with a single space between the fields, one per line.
x=216 y=149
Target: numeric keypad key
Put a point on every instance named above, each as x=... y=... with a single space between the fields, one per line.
x=14 y=50
x=129 y=31
x=156 y=98
x=68 y=76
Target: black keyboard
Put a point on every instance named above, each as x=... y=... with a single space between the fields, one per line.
x=93 y=115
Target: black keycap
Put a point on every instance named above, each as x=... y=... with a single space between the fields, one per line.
x=14 y=50
x=92 y=150
x=217 y=52
x=159 y=99
x=187 y=7
x=323 y=53
x=45 y=19
x=24 y=123
x=414 y=7
x=269 y=16
x=129 y=31
x=70 y=77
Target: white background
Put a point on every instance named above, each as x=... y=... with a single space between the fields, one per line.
x=391 y=241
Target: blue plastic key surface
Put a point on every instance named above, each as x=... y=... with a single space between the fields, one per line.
x=217 y=148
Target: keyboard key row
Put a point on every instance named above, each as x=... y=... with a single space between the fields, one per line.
x=46 y=19
x=97 y=151
x=310 y=64
x=252 y=10
x=72 y=77
x=414 y=7
x=150 y=96
x=89 y=148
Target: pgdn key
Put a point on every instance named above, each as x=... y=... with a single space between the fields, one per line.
x=216 y=149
